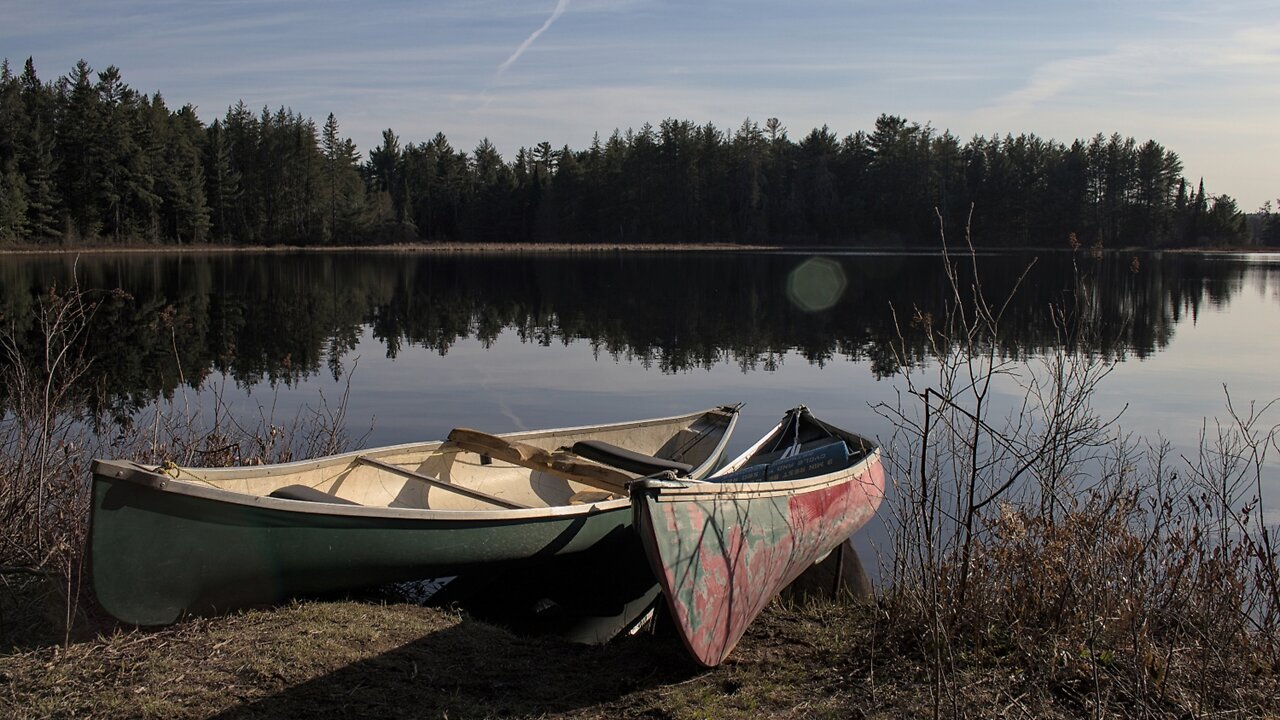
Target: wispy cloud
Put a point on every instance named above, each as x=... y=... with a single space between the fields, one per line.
x=1254 y=47
x=561 y=6
x=1049 y=82
x=1179 y=63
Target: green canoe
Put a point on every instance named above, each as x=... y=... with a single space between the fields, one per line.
x=169 y=542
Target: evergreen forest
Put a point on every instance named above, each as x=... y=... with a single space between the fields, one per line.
x=86 y=159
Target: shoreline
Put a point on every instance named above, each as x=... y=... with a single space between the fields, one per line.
x=429 y=248
x=571 y=248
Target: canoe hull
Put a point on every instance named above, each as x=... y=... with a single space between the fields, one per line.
x=721 y=552
x=166 y=555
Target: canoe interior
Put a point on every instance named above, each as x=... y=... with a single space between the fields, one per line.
x=372 y=478
x=799 y=431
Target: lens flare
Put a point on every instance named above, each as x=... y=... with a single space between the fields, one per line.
x=816 y=284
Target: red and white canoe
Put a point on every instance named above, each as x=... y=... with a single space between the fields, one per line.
x=722 y=549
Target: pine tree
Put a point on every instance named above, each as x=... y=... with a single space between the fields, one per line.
x=186 y=200
x=248 y=156
x=222 y=182
x=817 y=183
x=747 y=189
x=13 y=202
x=1271 y=227
x=1197 y=225
x=488 y=216
x=125 y=148
x=388 y=180
x=82 y=178
x=331 y=144
x=36 y=160
x=342 y=187
x=1225 y=225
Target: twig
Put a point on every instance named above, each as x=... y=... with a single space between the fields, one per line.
x=19 y=570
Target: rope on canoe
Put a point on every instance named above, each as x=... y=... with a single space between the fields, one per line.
x=176 y=471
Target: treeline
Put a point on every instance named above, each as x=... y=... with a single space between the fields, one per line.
x=88 y=159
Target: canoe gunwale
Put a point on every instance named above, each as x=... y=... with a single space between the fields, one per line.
x=296 y=466
x=165 y=484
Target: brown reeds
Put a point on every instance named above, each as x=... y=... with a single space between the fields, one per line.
x=1030 y=531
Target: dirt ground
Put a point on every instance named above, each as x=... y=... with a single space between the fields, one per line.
x=362 y=658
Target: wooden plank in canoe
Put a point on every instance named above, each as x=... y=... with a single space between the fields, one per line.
x=559 y=464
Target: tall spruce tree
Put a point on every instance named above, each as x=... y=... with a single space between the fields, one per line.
x=82 y=175
x=13 y=200
x=222 y=182
x=343 y=189
x=187 y=214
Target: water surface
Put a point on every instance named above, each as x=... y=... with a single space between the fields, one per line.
x=428 y=342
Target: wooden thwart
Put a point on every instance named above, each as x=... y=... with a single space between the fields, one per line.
x=436 y=482
x=559 y=464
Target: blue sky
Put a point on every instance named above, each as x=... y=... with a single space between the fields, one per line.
x=1201 y=78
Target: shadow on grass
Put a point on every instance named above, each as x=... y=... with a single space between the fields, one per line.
x=33 y=615
x=479 y=670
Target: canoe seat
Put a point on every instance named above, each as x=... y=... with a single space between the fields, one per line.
x=624 y=459
x=811 y=463
x=823 y=458
x=308 y=494
x=767 y=458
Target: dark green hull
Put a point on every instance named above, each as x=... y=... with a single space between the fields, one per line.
x=157 y=556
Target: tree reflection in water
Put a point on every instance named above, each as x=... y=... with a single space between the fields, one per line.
x=280 y=318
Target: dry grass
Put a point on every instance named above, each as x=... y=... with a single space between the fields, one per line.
x=352 y=658
x=330 y=659
x=1027 y=529
x=349 y=658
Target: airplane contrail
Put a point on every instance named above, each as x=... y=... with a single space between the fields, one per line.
x=561 y=6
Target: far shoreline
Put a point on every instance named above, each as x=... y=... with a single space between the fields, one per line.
x=570 y=248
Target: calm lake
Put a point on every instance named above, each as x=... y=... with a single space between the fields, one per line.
x=428 y=341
